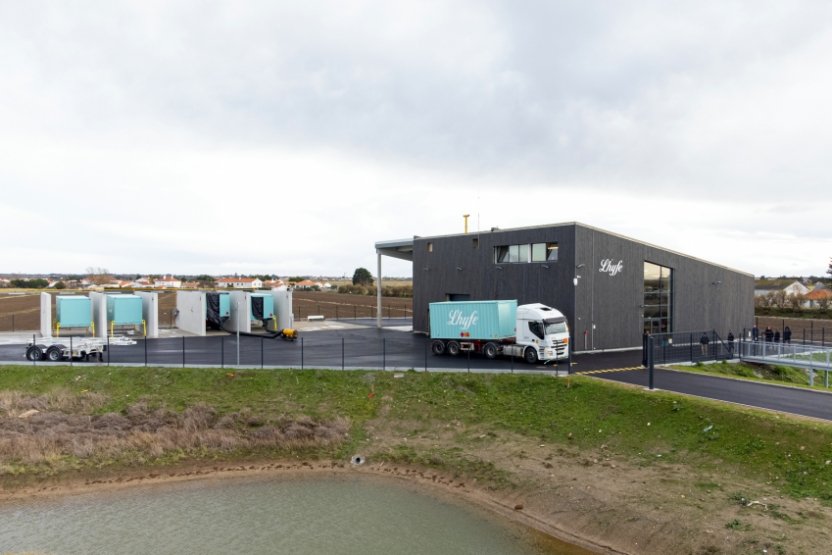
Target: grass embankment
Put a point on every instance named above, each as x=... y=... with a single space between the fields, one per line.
x=776 y=374
x=99 y=419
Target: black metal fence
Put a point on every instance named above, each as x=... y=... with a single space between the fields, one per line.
x=691 y=346
x=251 y=351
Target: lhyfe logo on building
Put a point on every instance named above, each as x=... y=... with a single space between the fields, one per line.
x=608 y=267
x=459 y=319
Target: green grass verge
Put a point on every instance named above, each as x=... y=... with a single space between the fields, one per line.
x=643 y=427
x=778 y=374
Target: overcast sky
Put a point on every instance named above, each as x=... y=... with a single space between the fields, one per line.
x=288 y=137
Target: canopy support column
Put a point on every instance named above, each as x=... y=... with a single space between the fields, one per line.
x=378 y=292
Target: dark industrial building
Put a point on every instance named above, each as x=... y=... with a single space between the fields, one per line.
x=611 y=288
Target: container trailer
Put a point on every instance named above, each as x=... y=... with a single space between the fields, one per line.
x=534 y=332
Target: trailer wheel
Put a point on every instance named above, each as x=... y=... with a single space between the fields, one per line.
x=453 y=348
x=530 y=355
x=54 y=353
x=438 y=347
x=34 y=353
x=489 y=350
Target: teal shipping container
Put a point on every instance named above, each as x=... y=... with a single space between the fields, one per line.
x=485 y=320
x=73 y=311
x=262 y=306
x=124 y=310
x=225 y=305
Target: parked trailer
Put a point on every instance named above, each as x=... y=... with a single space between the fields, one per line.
x=534 y=332
x=84 y=348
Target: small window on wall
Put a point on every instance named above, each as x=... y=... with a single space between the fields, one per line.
x=430 y=246
x=514 y=254
x=551 y=251
x=524 y=253
x=539 y=252
x=476 y=243
x=501 y=254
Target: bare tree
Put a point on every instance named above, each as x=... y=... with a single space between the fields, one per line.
x=98 y=276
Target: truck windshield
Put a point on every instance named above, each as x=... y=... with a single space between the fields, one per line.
x=555 y=325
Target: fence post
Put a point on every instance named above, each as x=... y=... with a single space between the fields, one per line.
x=342 y=353
x=301 y=353
x=384 y=353
x=183 y=351
x=70 y=350
x=469 y=361
x=426 y=357
x=261 y=352
x=13 y=328
x=145 y=350
x=690 y=343
x=108 y=350
x=650 y=362
x=222 y=352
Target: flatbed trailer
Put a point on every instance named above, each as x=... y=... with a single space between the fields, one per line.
x=81 y=348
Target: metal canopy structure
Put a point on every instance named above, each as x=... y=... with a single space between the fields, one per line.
x=401 y=249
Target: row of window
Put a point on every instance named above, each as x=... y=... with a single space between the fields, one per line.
x=530 y=252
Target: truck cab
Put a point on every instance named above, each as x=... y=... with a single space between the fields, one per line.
x=544 y=330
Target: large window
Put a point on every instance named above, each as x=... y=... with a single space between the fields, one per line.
x=658 y=282
x=528 y=252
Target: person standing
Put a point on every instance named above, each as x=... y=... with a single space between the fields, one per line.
x=769 y=334
x=730 y=344
x=755 y=333
x=703 y=343
x=787 y=335
x=777 y=336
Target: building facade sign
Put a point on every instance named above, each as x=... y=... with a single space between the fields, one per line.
x=611 y=268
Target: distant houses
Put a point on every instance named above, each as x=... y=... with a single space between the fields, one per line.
x=239 y=283
x=790 y=292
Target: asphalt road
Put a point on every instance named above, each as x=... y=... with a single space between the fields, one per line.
x=815 y=404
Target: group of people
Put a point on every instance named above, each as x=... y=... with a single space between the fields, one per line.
x=772 y=335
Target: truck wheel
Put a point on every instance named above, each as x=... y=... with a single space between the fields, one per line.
x=438 y=347
x=34 y=353
x=54 y=353
x=530 y=355
x=489 y=351
x=453 y=348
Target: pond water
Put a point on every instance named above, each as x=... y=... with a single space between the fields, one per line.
x=340 y=515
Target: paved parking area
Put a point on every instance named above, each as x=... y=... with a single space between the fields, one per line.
x=341 y=344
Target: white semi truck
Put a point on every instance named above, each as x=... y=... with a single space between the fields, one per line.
x=534 y=332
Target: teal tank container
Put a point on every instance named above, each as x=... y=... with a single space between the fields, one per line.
x=124 y=310
x=266 y=300
x=73 y=311
x=483 y=320
x=225 y=305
